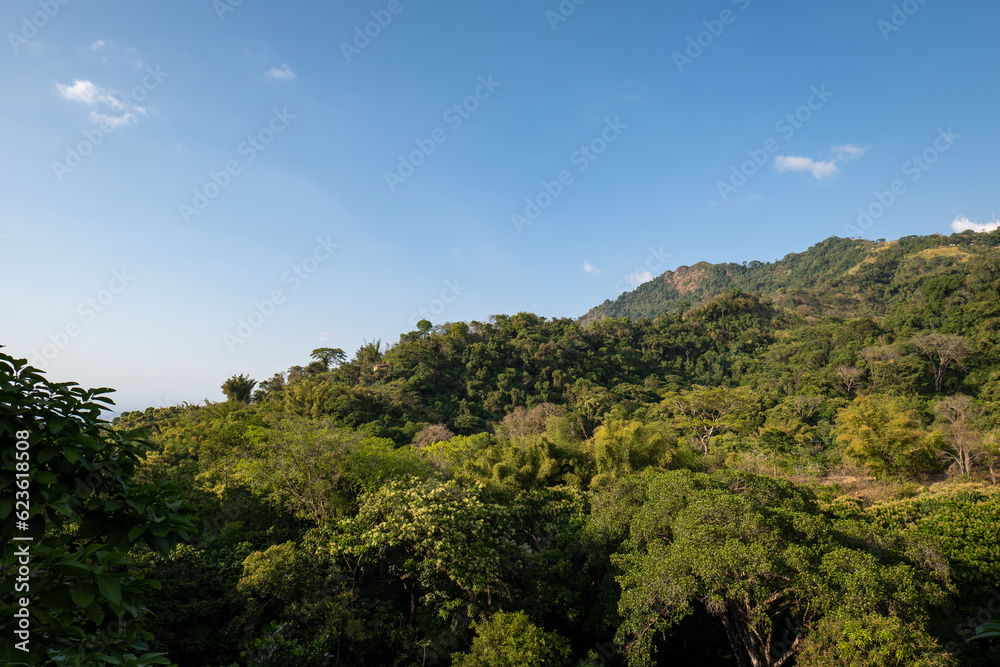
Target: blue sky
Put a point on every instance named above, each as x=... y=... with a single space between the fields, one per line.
x=194 y=189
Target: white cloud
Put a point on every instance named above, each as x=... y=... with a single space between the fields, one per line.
x=590 y=268
x=283 y=73
x=105 y=106
x=849 y=151
x=96 y=46
x=112 y=121
x=963 y=224
x=640 y=277
x=81 y=91
x=820 y=169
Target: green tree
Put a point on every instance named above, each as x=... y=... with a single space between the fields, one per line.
x=512 y=640
x=73 y=479
x=871 y=640
x=239 y=388
x=710 y=412
x=437 y=542
x=879 y=433
x=330 y=357
x=314 y=468
x=369 y=353
x=622 y=446
x=754 y=552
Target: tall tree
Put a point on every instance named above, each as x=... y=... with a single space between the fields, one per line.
x=239 y=388
x=849 y=375
x=876 y=357
x=330 y=357
x=941 y=351
x=965 y=441
x=369 y=353
x=710 y=412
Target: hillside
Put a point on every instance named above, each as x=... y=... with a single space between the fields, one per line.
x=837 y=277
x=824 y=429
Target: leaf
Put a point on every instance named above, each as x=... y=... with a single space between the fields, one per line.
x=162 y=545
x=45 y=477
x=137 y=505
x=94 y=612
x=75 y=565
x=83 y=594
x=109 y=588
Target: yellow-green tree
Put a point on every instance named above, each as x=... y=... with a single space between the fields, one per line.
x=879 y=433
x=622 y=446
x=512 y=640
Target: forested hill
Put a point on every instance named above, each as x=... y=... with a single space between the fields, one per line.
x=804 y=467
x=840 y=277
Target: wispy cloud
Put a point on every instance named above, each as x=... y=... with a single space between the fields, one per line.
x=849 y=152
x=963 y=224
x=283 y=73
x=98 y=45
x=640 y=277
x=820 y=169
x=105 y=106
x=590 y=268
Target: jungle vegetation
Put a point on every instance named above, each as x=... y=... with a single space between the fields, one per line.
x=759 y=465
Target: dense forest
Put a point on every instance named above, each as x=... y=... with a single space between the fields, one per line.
x=755 y=465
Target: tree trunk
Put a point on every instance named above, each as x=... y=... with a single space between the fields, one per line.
x=412 y=590
x=413 y=609
x=939 y=377
x=734 y=642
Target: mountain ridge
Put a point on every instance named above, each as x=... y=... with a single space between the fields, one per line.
x=839 y=277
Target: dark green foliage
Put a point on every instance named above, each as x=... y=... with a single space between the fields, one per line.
x=84 y=512
x=755 y=553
